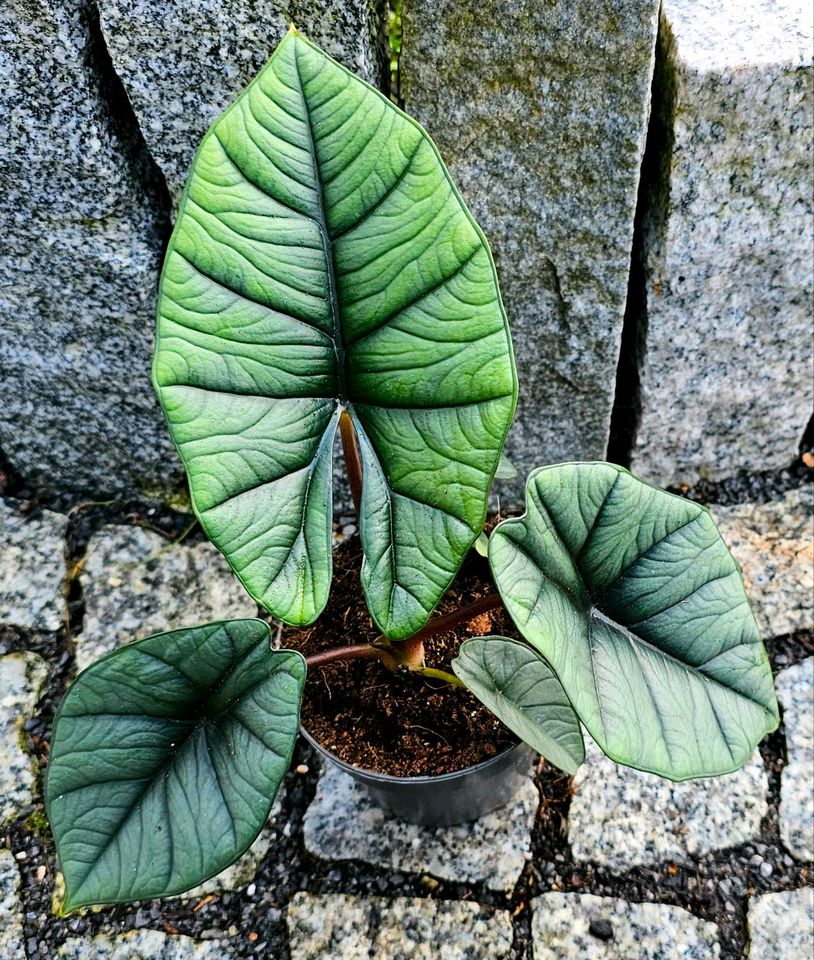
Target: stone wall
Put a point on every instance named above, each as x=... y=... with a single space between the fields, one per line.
x=542 y=112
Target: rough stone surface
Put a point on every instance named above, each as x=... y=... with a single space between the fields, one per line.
x=342 y=823
x=795 y=690
x=343 y=927
x=142 y=945
x=540 y=111
x=726 y=383
x=565 y=927
x=622 y=818
x=11 y=909
x=774 y=545
x=22 y=676
x=183 y=62
x=83 y=220
x=137 y=583
x=32 y=568
x=781 y=926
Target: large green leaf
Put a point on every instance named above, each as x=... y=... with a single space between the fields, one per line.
x=166 y=757
x=323 y=261
x=633 y=598
x=520 y=688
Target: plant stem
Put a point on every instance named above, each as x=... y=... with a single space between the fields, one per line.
x=358 y=651
x=350 y=449
x=463 y=614
x=440 y=675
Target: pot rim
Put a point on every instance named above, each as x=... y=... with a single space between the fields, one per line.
x=393 y=779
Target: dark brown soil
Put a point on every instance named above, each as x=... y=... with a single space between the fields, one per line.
x=400 y=724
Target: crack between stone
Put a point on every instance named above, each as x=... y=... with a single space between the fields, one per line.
x=648 y=231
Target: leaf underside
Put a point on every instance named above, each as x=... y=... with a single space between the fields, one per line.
x=166 y=757
x=323 y=261
x=520 y=688
x=633 y=598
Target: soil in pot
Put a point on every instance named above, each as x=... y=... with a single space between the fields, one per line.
x=399 y=724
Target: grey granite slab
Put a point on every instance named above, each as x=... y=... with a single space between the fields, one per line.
x=11 y=909
x=342 y=927
x=774 y=545
x=32 y=567
x=622 y=818
x=573 y=926
x=729 y=243
x=22 y=676
x=342 y=823
x=183 y=63
x=781 y=926
x=141 y=945
x=795 y=690
x=540 y=111
x=136 y=583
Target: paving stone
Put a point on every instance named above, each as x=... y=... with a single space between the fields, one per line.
x=774 y=545
x=795 y=690
x=32 y=568
x=142 y=945
x=622 y=818
x=342 y=823
x=341 y=927
x=22 y=676
x=781 y=926
x=573 y=926
x=183 y=63
x=540 y=110
x=83 y=224
x=729 y=242
x=11 y=909
x=137 y=583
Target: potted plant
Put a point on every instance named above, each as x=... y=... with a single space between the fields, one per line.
x=324 y=275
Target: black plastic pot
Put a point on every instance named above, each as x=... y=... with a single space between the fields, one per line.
x=448 y=798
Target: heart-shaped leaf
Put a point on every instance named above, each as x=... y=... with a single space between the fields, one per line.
x=166 y=757
x=633 y=598
x=323 y=261
x=520 y=689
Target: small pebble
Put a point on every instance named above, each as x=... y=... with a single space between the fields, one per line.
x=766 y=869
x=251 y=889
x=301 y=768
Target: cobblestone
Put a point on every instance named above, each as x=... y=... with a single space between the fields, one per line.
x=339 y=927
x=781 y=926
x=795 y=690
x=342 y=823
x=21 y=679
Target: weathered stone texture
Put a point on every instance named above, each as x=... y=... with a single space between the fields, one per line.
x=142 y=945
x=32 y=568
x=342 y=823
x=781 y=926
x=572 y=926
x=22 y=676
x=540 y=111
x=622 y=818
x=11 y=909
x=774 y=545
x=137 y=583
x=342 y=927
x=726 y=382
x=795 y=690
x=83 y=222
x=183 y=62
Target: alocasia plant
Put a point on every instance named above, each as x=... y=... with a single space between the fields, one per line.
x=324 y=273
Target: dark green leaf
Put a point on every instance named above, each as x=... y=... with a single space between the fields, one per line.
x=633 y=598
x=323 y=260
x=166 y=757
x=520 y=688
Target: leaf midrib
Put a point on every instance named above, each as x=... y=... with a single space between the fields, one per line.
x=327 y=244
